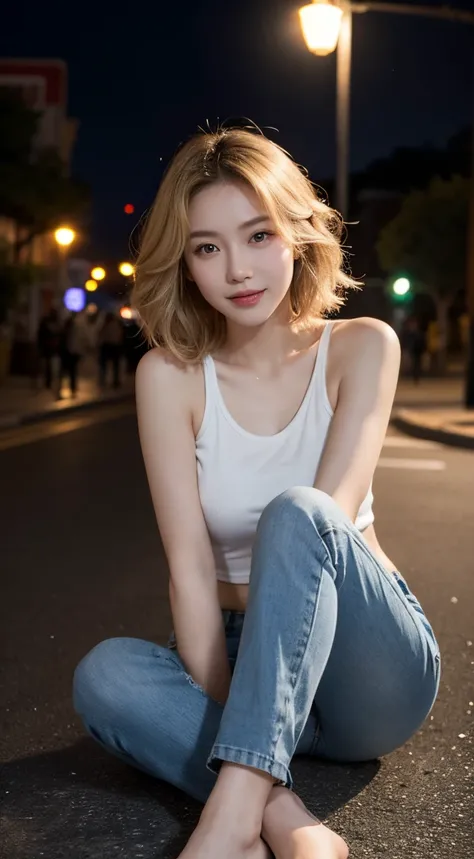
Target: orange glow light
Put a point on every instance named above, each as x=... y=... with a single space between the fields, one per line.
x=129 y=209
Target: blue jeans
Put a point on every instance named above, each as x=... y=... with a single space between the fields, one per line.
x=334 y=658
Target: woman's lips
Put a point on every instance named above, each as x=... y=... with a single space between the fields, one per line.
x=248 y=300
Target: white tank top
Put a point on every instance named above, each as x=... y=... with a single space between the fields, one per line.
x=239 y=473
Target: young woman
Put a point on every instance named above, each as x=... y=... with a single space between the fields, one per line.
x=261 y=423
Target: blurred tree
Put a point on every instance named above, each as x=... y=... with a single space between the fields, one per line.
x=408 y=168
x=35 y=191
x=11 y=278
x=427 y=239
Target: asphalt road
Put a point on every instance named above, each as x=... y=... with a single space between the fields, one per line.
x=81 y=561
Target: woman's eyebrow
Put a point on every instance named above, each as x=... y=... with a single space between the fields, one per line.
x=197 y=234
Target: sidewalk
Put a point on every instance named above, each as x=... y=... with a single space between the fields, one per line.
x=433 y=410
x=22 y=402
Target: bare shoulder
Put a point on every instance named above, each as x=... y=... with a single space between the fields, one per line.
x=162 y=375
x=160 y=364
x=363 y=340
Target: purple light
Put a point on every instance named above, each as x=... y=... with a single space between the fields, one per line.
x=75 y=299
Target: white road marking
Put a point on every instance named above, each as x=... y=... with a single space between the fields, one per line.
x=403 y=441
x=411 y=464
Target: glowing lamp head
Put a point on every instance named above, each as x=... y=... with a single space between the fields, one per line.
x=321 y=25
x=64 y=236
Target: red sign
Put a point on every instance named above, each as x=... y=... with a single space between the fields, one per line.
x=43 y=82
x=43 y=88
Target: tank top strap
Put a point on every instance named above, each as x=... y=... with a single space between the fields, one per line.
x=319 y=382
x=210 y=376
x=211 y=393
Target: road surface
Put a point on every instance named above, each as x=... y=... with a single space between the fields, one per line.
x=82 y=562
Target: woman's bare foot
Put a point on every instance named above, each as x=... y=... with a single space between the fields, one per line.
x=206 y=843
x=293 y=833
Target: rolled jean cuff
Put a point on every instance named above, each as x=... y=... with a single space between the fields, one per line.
x=245 y=758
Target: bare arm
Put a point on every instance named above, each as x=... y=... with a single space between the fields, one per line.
x=168 y=446
x=368 y=352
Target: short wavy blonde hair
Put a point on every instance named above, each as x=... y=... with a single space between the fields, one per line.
x=173 y=313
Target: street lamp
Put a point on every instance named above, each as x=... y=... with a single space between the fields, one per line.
x=64 y=237
x=323 y=31
x=327 y=25
x=321 y=25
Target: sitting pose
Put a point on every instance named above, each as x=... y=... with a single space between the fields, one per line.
x=261 y=423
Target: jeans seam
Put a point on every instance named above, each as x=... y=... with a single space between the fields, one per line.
x=294 y=671
x=381 y=569
x=356 y=536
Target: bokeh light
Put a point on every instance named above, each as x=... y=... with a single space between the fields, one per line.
x=64 y=236
x=401 y=286
x=126 y=268
x=75 y=299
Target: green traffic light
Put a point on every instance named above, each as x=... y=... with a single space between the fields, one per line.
x=401 y=287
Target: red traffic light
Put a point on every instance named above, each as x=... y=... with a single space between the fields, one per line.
x=129 y=209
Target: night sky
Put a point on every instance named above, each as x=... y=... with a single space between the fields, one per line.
x=141 y=81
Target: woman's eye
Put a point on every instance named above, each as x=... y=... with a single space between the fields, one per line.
x=204 y=248
x=208 y=249
x=260 y=237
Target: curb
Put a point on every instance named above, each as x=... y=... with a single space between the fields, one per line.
x=12 y=421
x=418 y=430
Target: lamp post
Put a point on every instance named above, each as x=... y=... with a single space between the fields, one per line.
x=327 y=25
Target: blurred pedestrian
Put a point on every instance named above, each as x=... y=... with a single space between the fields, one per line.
x=72 y=348
x=413 y=342
x=48 y=342
x=111 y=342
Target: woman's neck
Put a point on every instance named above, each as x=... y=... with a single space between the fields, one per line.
x=265 y=347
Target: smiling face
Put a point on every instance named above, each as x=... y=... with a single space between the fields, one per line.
x=241 y=266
